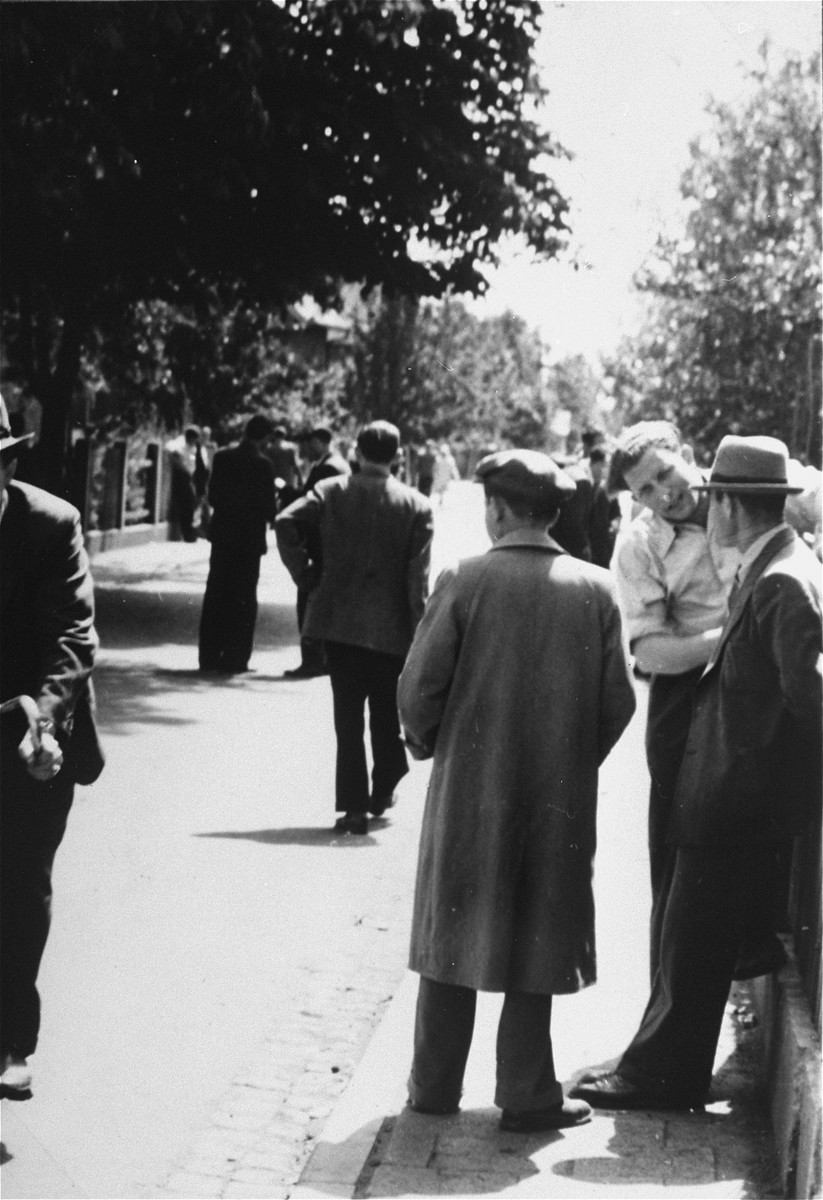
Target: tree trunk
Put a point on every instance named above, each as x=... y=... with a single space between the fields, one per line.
x=56 y=398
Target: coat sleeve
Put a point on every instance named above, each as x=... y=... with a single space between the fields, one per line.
x=291 y=529
x=423 y=689
x=64 y=621
x=617 y=698
x=419 y=563
x=787 y=614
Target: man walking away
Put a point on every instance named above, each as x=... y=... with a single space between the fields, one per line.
x=375 y=538
x=241 y=494
x=750 y=780
x=517 y=682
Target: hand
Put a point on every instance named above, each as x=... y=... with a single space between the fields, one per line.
x=42 y=764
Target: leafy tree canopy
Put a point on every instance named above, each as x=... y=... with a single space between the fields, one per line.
x=732 y=339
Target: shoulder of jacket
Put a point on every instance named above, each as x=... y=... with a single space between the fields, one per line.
x=43 y=503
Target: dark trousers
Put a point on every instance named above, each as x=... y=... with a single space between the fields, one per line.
x=667 y=730
x=34 y=819
x=183 y=502
x=359 y=676
x=312 y=650
x=712 y=898
x=443 y=1029
x=229 y=609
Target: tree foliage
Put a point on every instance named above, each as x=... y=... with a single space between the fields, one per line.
x=732 y=339
x=439 y=371
x=217 y=152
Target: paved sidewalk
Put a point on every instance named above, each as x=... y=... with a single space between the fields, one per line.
x=373 y=1146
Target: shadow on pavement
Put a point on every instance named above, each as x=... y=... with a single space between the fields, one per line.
x=295 y=836
x=128 y=618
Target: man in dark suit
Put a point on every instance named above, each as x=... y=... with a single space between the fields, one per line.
x=242 y=497
x=47 y=733
x=375 y=536
x=325 y=465
x=748 y=782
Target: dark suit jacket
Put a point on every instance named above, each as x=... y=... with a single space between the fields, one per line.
x=751 y=769
x=47 y=635
x=376 y=538
x=328 y=466
x=242 y=497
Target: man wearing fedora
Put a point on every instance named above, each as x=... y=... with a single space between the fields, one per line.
x=673 y=582
x=518 y=685
x=48 y=739
x=750 y=774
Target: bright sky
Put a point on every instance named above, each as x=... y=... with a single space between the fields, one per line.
x=628 y=83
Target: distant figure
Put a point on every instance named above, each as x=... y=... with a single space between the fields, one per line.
x=241 y=495
x=425 y=467
x=48 y=738
x=445 y=471
x=518 y=685
x=325 y=464
x=572 y=528
x=375 y=535
x=604 y=520
x=183 y=459
x=283 y=456
x=749 y=782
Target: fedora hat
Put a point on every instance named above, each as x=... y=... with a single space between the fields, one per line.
x=757 y=465
x=7 y=440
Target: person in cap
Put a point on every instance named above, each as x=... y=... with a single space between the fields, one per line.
x=375 y=536
x=750 y=781
x=325 y=464
x=673 y=582
x=48 y=738
x=242 y=498
x=518 y=685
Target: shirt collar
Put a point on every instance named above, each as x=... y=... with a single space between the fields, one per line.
x=528 y=537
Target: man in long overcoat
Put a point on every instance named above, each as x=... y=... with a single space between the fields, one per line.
x=518 y=682
x=749 y=781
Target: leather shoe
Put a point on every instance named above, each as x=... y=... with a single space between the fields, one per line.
x=303 y=672
x=352 y=823
x=561 y=1116
x=16 y=1077
x=379 y=804
x=610 y=1089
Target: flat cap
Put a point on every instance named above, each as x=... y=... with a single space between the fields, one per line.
x=528 y=474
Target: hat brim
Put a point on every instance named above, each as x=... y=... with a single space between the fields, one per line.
x=754 y=489
x=8 y=443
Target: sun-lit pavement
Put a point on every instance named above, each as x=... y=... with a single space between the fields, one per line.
x=219 y=961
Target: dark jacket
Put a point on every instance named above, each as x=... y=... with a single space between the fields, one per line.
x=47 y=635
x=241 y=493
x=375 y=534
x=751 y=770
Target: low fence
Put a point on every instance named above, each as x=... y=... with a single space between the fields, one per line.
x=120 y=485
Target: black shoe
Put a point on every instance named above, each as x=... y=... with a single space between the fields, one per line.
x=304 y=672
x=352 y=823
x=765 y=960
x=561 y=1116
x=610 y=1089
x=379 y=804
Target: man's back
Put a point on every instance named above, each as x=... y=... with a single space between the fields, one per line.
x=376 y=536
x=241 y=492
